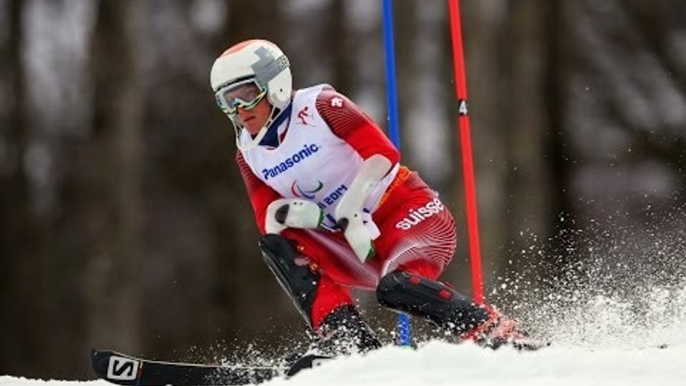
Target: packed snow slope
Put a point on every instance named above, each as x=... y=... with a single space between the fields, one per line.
x=444 y=364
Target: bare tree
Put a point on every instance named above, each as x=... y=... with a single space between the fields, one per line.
x=19 y=239
x=113 y=187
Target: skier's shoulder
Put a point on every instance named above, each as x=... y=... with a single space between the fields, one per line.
x=326 y=99
x=312 y=93
x=323 y=93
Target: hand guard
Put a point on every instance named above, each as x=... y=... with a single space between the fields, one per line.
x=292 y=213
x=350 y=214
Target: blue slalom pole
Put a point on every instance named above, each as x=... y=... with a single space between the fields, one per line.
x=404 y=327
x=391 y=86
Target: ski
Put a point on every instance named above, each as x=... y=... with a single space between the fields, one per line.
x=127 y=370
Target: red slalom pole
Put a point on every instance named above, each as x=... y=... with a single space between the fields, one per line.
x=467 y=156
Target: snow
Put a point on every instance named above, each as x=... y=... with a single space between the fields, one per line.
x=440 y=363
x=608 y=326
x=444 y=364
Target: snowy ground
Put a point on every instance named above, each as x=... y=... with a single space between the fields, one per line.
x=441 y=364
x=607 y=328
x=444 y=364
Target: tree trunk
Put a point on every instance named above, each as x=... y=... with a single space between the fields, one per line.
x=115 y=192
x=19 y=238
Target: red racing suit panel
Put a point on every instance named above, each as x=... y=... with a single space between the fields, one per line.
x=260 y=194
x=415 y=227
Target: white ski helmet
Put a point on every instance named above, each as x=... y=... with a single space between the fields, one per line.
x=264 y=63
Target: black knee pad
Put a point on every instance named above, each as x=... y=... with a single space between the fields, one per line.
x=299 y=281
x=431 y=300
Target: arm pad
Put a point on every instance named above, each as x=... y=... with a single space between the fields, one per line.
x=349 y=210
x=373 y=170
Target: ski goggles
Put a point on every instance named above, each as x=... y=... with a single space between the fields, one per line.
x=246 y=95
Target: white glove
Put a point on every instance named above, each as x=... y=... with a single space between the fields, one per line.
x=357 y=225
x=292 y=213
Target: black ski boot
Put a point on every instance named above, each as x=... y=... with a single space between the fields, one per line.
x=343 y=332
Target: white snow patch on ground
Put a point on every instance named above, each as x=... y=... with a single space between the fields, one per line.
x=445 y=364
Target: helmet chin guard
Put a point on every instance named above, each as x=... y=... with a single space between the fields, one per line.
x=264 y=62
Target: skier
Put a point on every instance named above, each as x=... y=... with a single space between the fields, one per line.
x=336 y=208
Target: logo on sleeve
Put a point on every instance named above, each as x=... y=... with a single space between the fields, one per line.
x=422 y=213
x=336 y=102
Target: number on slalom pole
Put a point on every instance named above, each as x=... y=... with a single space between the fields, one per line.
x=463 y=107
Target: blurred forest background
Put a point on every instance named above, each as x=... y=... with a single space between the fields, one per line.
x=124 y=222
